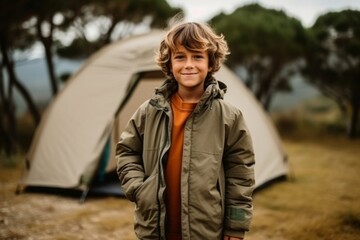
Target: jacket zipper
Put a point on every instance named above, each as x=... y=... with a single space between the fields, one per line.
x=161 y=178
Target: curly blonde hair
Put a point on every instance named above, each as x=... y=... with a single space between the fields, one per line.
x=194 y=37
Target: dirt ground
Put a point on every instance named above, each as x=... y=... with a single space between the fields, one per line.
x=320 y=201
x=45 y=216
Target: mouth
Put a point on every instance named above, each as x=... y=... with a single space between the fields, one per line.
x=188 y=73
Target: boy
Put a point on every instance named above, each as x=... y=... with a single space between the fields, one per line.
x=186 y=156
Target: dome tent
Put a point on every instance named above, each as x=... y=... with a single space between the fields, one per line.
x=74 y=145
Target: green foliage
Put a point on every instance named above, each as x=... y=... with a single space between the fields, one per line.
x=162 y=13
x=318 y=116
x=12 y=17
x=130 y=13
x=253 y=30
x=79 y=48
x=266 y=43
x=333 y=61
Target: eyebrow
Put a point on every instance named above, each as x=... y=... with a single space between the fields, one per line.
x=195 y=52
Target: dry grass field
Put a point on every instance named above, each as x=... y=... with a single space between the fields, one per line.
x=320 y=200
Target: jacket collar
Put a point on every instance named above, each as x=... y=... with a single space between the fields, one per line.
x=214 y=89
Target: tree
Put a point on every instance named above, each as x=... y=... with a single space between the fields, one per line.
x=12 y=37
x=265 y=45
x=114 y=19
x=47 y=17
x=24 y=21
x=333 y=61
x=52 y=16
x=131 y=12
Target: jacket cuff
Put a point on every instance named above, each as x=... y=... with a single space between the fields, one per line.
x=239 y=234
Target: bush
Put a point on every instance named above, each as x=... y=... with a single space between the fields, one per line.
x=318 y=116
x=26 y=130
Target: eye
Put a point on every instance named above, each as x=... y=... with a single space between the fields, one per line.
x=198 y=56
x=178 y=57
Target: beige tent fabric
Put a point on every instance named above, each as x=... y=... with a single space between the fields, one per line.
x=71 y=137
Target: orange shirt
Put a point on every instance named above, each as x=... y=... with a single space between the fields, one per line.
x=181 y=111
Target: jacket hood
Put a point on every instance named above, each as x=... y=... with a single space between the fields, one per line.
x=214 y=89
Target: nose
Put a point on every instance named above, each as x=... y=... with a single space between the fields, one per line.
x=189 y=64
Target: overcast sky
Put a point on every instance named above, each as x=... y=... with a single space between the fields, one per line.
x=305 y=10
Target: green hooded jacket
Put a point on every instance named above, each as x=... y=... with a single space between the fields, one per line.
x=217 y=176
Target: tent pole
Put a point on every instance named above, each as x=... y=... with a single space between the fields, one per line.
x=84 y=194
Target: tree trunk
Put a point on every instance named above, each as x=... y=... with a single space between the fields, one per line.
x=267 y=101
x=50 y=66
x=21 y=88
x=6 y=139
x=107 y=37
x=47 y=43
x=265 y=87
x=354 y=120
x=7 y=126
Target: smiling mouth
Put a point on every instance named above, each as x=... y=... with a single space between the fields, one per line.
x=189 y=73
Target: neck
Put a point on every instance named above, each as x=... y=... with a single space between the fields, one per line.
x=190 y=96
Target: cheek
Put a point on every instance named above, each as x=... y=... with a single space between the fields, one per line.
x=175 y=67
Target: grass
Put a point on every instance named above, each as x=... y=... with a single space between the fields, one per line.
x=321 y=199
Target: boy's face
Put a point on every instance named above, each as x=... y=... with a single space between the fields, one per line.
x=190 y=68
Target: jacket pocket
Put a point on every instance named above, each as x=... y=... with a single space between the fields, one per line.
x=146 y=210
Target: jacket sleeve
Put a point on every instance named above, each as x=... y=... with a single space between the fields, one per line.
x=130 y=168
x=239 y=164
